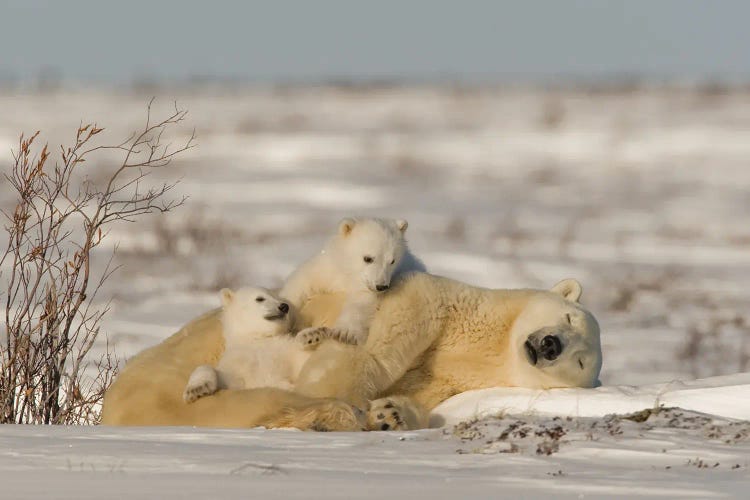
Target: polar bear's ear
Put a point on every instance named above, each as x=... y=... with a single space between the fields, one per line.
x=401 y=224
x=570 y=289
x=346 y=225
x=227 y=296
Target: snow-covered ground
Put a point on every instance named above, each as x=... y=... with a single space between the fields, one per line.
x=659 y=453
x=641 y=194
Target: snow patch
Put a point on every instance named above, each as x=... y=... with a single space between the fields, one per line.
x=725 y=396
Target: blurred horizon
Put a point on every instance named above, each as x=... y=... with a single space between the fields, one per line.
x=80 y=42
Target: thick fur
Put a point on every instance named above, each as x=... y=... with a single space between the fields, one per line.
x=259 y=350
x=430 y=339
x=149 y=391
x=433 y=337
x=359 y=261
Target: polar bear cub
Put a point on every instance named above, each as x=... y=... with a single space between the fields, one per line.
x=259 y=350
x=360 y=260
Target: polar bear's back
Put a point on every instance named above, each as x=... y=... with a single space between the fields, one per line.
x=154 y=378
x=148 y=391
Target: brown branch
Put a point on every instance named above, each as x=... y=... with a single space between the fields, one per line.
x=52 y=319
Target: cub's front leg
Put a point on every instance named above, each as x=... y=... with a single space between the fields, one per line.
x=204 y=381
x=350 y=328
x=311 y=337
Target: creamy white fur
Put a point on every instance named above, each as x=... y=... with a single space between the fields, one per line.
x=561 y=313
x=363 y=255
x=432 y=338
x=259 y=350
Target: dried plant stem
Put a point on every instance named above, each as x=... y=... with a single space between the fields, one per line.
x=52 y=312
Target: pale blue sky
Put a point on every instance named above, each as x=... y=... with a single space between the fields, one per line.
x=303 y=40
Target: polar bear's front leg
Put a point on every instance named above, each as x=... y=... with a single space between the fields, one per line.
x=405 y=326
x=358 y=374
x=322 y=415
x=204 y=381
x=396 y=413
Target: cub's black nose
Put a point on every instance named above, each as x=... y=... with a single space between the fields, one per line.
x=550 y=347
x=284 y=307
x=381 y=288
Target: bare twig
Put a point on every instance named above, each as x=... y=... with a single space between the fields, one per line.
x=51 y=317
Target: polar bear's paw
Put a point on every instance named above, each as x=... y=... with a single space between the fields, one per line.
x=311 y=337
x=396 y=413
x=203 y=382
x=385 y=415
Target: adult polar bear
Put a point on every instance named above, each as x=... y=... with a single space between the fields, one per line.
x=430 y=338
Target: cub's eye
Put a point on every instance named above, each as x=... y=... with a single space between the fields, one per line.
x=567 y=317
x=368 y=259
x=259 y=299
x=393 y=261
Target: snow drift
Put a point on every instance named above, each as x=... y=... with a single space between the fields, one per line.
x=725 y=396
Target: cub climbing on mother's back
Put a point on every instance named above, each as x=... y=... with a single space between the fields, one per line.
x=360 y=260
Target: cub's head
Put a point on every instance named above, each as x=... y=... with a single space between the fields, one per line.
x=555 y=340
x=254 y=312
x=369 y=251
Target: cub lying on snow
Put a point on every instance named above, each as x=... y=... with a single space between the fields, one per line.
x=360 y=261
x=259 y=350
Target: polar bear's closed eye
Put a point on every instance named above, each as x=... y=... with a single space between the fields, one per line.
x=558 y=340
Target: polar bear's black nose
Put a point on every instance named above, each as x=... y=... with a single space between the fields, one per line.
x=284 y=307
x=382 y=288
x=530 y=352
x=550 y=347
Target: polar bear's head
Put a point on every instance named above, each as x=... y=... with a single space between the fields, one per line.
x=251 y=313
x=368 y=251
x=555 y=341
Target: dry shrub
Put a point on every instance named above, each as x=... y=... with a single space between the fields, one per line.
x=552 y=114
x=200 y=235
x=52 y=312
x=195 y=235
x=626 y=292
x=718 y=347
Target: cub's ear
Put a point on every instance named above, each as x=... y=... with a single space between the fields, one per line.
x=346 y=225
x=570 y=289
x=227 y=296
x=401 y=224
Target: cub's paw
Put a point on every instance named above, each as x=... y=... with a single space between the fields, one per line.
x=311 y=337
x=203 y=382
x=386 y=415
x=194 y=392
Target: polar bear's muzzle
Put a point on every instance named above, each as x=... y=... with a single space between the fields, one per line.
x=281 y=311
x=543 y=345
